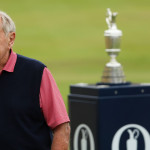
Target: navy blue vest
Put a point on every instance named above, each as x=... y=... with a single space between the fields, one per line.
x=22 y=124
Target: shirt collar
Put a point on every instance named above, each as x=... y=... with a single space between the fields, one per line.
x=10 y=65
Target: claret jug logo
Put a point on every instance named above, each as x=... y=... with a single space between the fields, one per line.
x=134 y=132
x=83 y=138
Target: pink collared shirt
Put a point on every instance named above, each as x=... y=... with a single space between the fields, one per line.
x=51 y=102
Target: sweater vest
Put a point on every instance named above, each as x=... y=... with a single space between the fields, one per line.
x=22 y=124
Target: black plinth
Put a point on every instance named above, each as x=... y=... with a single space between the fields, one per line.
x=108 y=117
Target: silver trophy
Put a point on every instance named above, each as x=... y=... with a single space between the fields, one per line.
x=113 y=72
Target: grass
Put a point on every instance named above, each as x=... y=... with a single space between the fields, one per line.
x=68 y=37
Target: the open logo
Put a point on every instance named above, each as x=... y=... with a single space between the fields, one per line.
x=132 y=142
x=82 y=136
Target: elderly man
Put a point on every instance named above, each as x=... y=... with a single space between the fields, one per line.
x=30 y=103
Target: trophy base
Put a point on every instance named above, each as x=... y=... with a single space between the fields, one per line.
x=113 y=75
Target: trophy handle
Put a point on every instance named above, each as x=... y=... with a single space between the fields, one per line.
x=111 y=18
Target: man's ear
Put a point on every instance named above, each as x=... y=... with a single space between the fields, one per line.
x=11 y=36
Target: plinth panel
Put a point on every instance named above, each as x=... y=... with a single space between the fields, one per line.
x=110 y=117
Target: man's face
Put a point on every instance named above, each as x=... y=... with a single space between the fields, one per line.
x=5 y=44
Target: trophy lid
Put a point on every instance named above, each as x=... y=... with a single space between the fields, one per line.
x=113 y=32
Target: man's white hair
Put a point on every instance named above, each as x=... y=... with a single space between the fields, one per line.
x=7 y=23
